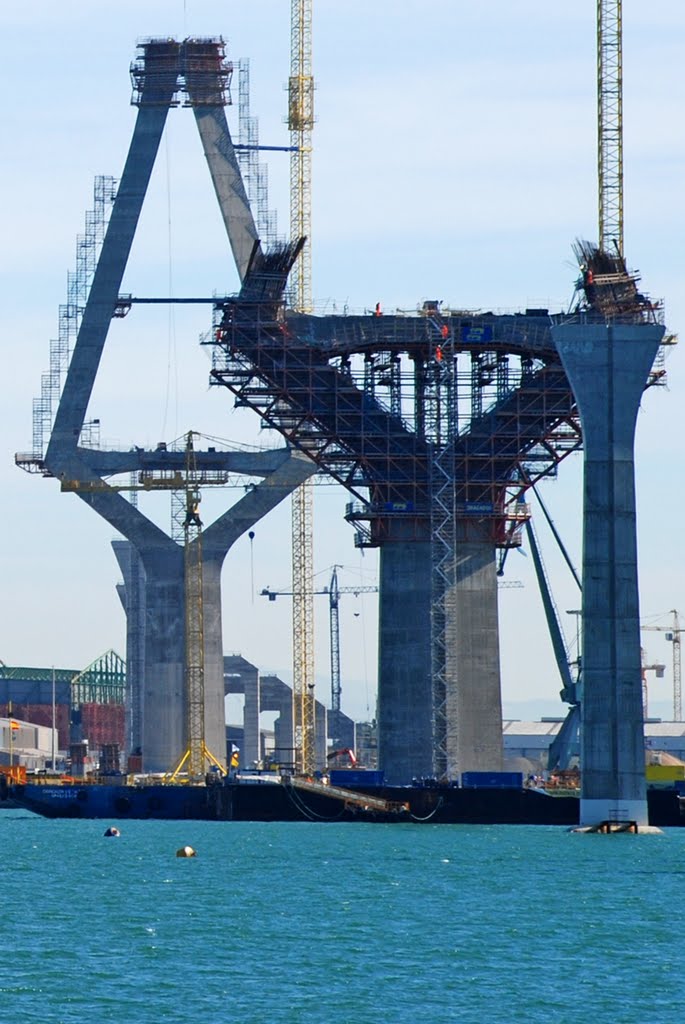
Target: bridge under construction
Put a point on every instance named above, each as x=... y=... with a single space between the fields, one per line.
x=437 y=423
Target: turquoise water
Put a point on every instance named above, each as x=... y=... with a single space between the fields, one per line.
x=330 y=924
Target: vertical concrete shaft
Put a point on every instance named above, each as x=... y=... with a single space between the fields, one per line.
x=474 y=701
x=607 y=365
x=132 y=595
x=241 y=676
x=473 y=698
x=405 y=741
x=252 y=748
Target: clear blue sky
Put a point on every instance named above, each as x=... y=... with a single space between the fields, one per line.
x=454 y=159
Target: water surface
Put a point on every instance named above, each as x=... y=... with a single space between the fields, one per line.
x=338 y=924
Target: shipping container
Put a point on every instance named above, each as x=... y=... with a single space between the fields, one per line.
x=351 y=777
x=665 y=773
x=492 y=780
x=102 y=724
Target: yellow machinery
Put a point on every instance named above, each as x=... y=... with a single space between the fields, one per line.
x=300 y=124
x=197 y=757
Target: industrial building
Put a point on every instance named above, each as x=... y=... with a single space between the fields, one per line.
x=27 y=745
x=530 y=741
x=86 y=707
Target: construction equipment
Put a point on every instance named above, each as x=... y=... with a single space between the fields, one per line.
x=673 y=634
x=300 y=124
x=658 y=670
x=333 y=592
x=610 y=124
x=344 y=752
x=197 y=756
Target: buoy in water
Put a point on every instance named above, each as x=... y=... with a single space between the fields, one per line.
x=186 y=851
x=112 y=831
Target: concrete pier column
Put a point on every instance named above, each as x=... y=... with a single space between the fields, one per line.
x=607 y=365
x=473 y=698
x=164 y=720
x=252 y=748
x=404 y=657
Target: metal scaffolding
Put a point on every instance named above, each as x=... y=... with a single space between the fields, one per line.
x=101 y=682
x=88 y=247
x=255 y=173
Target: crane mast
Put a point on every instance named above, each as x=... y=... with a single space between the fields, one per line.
x=197 y=757
x=300 y=124
x=194 y=617
x=610 y=124
x=333 y=592
x=334 y=627
x=673 y=635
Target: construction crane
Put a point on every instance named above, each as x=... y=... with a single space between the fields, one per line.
x=197 y=757
x=610 y=124
x=658 y=669
x=300 y=125
x=673 y=634
x=333 y=592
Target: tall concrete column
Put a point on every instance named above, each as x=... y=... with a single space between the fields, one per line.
x=473 y=695
x=474 y=699
x=405 y=728
x=607 y=365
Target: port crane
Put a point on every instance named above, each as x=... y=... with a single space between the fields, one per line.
x=673 y=635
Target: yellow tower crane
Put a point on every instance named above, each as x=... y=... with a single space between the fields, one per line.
x=300 y=124
x=197 y=758
x=610 y=124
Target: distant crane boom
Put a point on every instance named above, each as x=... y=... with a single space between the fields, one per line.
x=333 y=592
x=673 y=634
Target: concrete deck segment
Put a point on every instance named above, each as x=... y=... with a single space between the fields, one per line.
x=607 y=365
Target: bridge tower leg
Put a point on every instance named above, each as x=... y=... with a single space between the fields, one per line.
x=607 y=365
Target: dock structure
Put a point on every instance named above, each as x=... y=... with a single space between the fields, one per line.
x=165 y=73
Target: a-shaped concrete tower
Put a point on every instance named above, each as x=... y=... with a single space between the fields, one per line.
x=164 y=70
